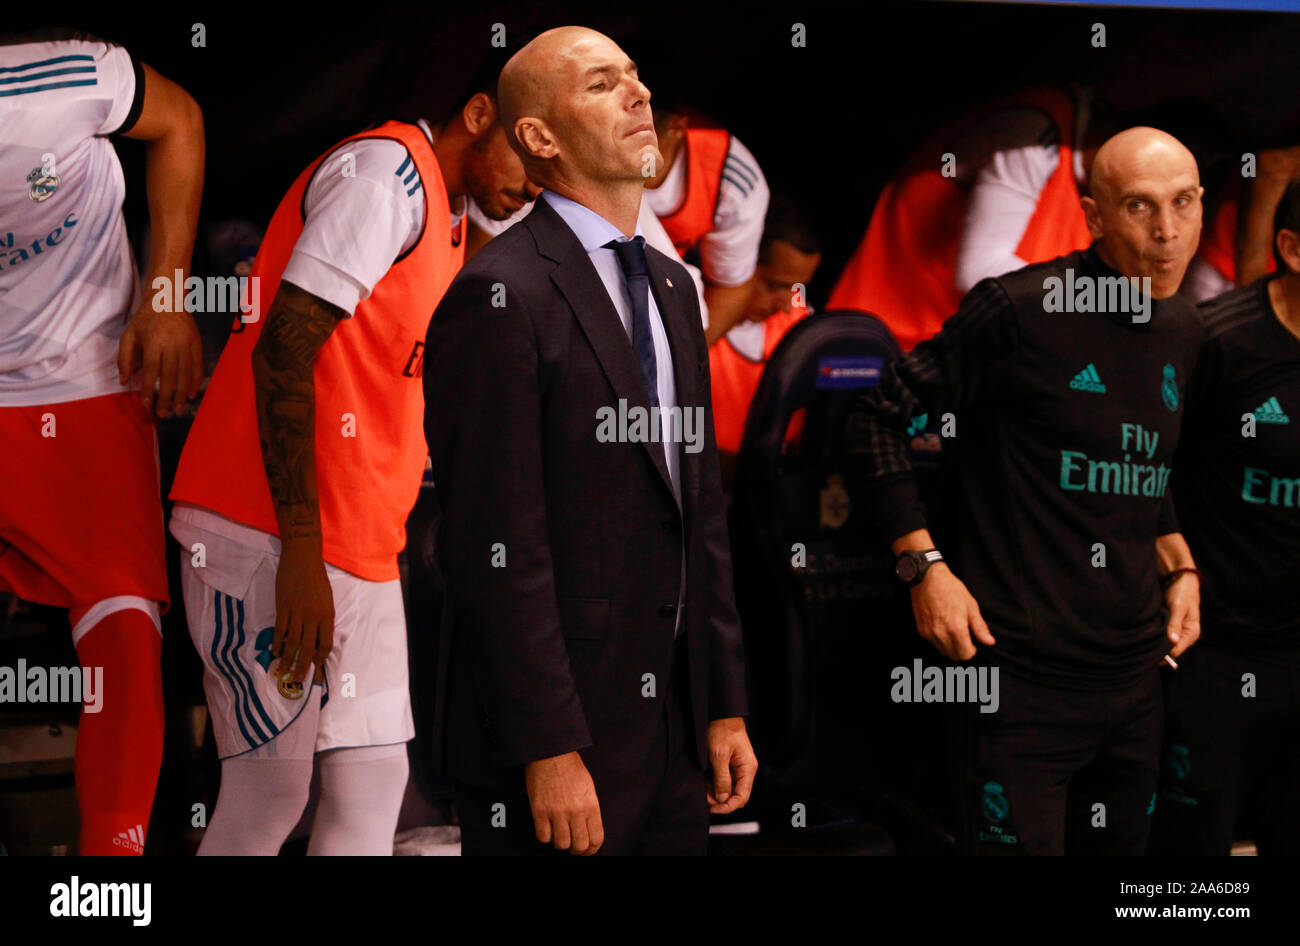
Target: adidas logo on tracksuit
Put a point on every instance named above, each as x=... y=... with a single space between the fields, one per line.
x=1088 y=380
x=1270 y=412
x=132 y=839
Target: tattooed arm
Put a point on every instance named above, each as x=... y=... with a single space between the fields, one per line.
x=297 y=325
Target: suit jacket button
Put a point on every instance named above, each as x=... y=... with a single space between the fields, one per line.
x=667 y=610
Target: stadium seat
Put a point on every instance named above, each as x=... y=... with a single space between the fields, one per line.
x=824 y=617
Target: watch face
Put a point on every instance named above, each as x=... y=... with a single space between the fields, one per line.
x=906 y=568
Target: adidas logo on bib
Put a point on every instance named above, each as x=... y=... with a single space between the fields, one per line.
x=1088 y=380
x=1270 y=412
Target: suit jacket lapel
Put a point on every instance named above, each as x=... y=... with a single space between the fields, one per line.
x=580 y=284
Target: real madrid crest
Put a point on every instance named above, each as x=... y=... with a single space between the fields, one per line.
x=835 y=502
x=1180 y=762
x=41 y=185
x=1169 y=388
x=994 y=803
x=290 y=689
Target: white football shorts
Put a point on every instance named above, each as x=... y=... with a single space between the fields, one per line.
x=230 y=606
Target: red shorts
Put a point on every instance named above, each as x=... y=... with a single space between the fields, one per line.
x=80 y=507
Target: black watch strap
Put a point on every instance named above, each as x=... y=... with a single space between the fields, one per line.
x=911 y=565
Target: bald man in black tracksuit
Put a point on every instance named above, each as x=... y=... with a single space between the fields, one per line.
x=1066 y=426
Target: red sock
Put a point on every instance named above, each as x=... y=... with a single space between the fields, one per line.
x=119 y=748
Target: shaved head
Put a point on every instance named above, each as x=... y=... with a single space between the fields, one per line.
x=527 y=83
x=578 y=116
x=529 y=79
x=1144 y=207
x=1137 y=153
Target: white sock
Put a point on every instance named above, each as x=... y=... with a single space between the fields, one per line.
x=361 y=794
x=263 y=792
x=261 y=800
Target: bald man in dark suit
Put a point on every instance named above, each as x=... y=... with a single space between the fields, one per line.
x=595 y=674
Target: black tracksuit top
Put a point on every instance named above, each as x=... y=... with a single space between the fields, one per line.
x=1237 y=490
x=1066 y=426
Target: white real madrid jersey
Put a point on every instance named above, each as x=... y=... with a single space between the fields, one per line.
x=67 y=277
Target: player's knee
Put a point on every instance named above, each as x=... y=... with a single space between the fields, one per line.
x=133 y=622
x=270 y=793
x=365 y=769
x=288 y=800
x=120 y=651
x=355 y=783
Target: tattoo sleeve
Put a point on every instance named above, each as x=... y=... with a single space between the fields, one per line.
x=297 y=325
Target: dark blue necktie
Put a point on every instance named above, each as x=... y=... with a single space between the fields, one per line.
x=631 y=256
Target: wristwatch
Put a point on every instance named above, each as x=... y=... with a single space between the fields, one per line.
x=911 y=566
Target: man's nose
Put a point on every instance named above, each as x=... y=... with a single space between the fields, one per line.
x=531 y=189
x=640 y=93
x=1164 y=224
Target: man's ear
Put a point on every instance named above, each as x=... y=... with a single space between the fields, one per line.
x=535 y=138
x=1092 y=215
x=479 y=114
x=1288 y=245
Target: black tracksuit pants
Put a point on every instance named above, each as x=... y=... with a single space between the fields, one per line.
x=1058 y=771
x=1232 y=755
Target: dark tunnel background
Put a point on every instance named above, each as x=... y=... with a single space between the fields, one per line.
x=828 y=122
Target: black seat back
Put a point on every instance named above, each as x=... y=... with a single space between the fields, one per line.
x=809 y=568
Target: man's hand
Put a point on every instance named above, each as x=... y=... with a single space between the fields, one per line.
x=304 y=612
x=566 y=812
x=165 y=348
x=1183 y=597
x=947 y=614
x=734 y=765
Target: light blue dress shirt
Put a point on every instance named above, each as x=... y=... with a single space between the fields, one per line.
x=593 y=232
